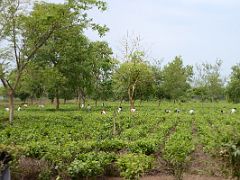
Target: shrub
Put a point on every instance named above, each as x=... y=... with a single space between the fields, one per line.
x=132 y=166
x=90 y=164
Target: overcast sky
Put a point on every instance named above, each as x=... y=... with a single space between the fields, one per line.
x=198 y=30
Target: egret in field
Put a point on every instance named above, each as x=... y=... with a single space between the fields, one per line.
x=233 y=110
x=191 y=112
x=167 y=110
x=103 y=112
x=19 y=108
x=133 y=110
x=7 y=109
x=119 y=109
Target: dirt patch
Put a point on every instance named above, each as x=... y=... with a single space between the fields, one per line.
x=168 y=177
x=202 y=163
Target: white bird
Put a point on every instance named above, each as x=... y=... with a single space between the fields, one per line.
x=25 y=105
x=82 y=106
x=19 y=108
x=133 y=110
x=234 y=110
x=119 y=109
x=41 y=106
x=103 y=112
x=167 y=111
x=191 y=111
x=6 y=109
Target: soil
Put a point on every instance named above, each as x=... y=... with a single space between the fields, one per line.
x=169 y=177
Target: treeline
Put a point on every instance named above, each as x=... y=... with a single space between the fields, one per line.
x=91 y=72
x=45 y=53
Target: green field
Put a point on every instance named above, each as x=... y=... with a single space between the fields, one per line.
x=72 y=143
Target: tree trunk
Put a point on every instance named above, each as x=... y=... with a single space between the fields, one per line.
x=57 y=99
x=65 y=100
x=11 y=105
x=132 y=103
x=131 y=99
x=81 y=98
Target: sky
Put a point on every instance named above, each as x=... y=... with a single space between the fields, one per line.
x=198 y=30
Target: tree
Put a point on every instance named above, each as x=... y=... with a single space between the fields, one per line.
x=158 y=81
x=32 y=83
x=208 y=80
x=102 y=65
x=176 y=78
x=26 y=33
x=75 y=64
x=233 y=87
x=132 y=75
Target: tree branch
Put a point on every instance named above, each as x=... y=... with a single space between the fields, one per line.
x=4 y=83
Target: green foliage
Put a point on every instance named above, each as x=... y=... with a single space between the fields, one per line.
x=178 y=147
x=208 y=80
x=233 y=86
x=232 y=155
x=131 y=76
x=176 y=78
x=90 y=164
x=112 y=145
x=83 y=140
x=145 y=146
x=132 y=166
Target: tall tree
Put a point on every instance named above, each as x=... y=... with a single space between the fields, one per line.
x=132 y=75
x=176 y=78
x=102 y=63
x=208 y=80
x=32 y=83
x=233 y=87
x=25 y=33
x=158 y=81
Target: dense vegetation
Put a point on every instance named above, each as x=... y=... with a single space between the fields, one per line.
x=80 y=143
x=45 y=55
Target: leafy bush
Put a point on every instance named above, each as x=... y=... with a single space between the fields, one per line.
x=90 y=164
x=110 y=145
x=232 y=155
x=177 y=149
x=132 y=166
x=144 y=146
